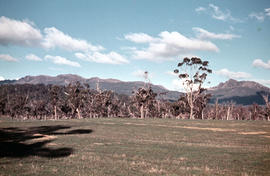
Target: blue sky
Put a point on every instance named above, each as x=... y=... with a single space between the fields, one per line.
x=123 y=38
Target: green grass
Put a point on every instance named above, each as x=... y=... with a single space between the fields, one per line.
x=134 y=147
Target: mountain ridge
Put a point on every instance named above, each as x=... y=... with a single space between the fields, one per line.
x=240 y=92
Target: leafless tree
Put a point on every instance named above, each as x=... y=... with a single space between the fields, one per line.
x=267 y=104
x=145 y=98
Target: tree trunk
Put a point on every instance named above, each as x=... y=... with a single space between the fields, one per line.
x=55 y=113
x=142 y=112
x=202 y=115
x=228 y=113
x=158 y=107
x=216 y=109
x=79 y=114
x=191 y=113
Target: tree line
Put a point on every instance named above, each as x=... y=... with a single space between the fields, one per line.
x=28 y=101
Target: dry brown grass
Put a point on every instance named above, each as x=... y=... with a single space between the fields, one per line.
x=42 y=137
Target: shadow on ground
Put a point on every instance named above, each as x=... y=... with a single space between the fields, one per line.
x=33 y=141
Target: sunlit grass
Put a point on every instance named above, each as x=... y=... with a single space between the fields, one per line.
x=144 y=147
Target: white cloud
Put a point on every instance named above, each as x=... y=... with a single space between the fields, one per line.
x=139 y=38
x=257 y=16
x=8 y=58
x=260 y=63
x=221 y=15
x=141 y=74
x=170 y=45
x=110 y=58
x=56 y=38
x=204 y=34
x=179 y=85
x=200 y=9
x=33 y=57
x=267 y=11
x=263 y=81
x=62 y=61
x=218 y=14
x=2 y=78
x=260 y=16
x=18 y=33
x=171 y=73
x=233 y=75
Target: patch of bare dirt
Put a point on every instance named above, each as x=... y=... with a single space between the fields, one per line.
x=253 y=132
x=42 y=137
x=187 y=127
x=210 y=129
x=108 y=123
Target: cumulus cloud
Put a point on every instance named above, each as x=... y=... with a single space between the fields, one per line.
x=179 y=85
x=61 y=61
x=261 y=63
x=33 y=57
x=7 y=57
x=24 y=33
x=56 y=38
x=170 y=45
x=2 y=78
x=17 y=32
x=233 y=75
x=139 y=38
x=110 y=58
x=204 y=34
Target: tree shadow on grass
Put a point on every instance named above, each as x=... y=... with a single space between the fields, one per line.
x=33 y=141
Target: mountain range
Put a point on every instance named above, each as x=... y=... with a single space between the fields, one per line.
x=239 y=92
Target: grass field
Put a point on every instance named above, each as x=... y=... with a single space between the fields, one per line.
x=134 y=147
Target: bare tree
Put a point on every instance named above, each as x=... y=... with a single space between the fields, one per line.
x=267 y=104
x=54 y=98
x=193 y=73
x=145 y=98
x=76 y=96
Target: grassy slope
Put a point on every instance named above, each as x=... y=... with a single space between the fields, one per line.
x=139 y=147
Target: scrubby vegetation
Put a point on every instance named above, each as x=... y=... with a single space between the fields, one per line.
x=79 y=101
x=82 y=101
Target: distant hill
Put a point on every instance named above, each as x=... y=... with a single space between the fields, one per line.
x=7 y=81
x=239 y=92
x=120 y=87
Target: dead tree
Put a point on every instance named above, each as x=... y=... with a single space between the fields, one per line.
x=54 y=99
x=267 y=108
x=145 y=98
x=76 y=97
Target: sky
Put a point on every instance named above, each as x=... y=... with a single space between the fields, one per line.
x=121 y=39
